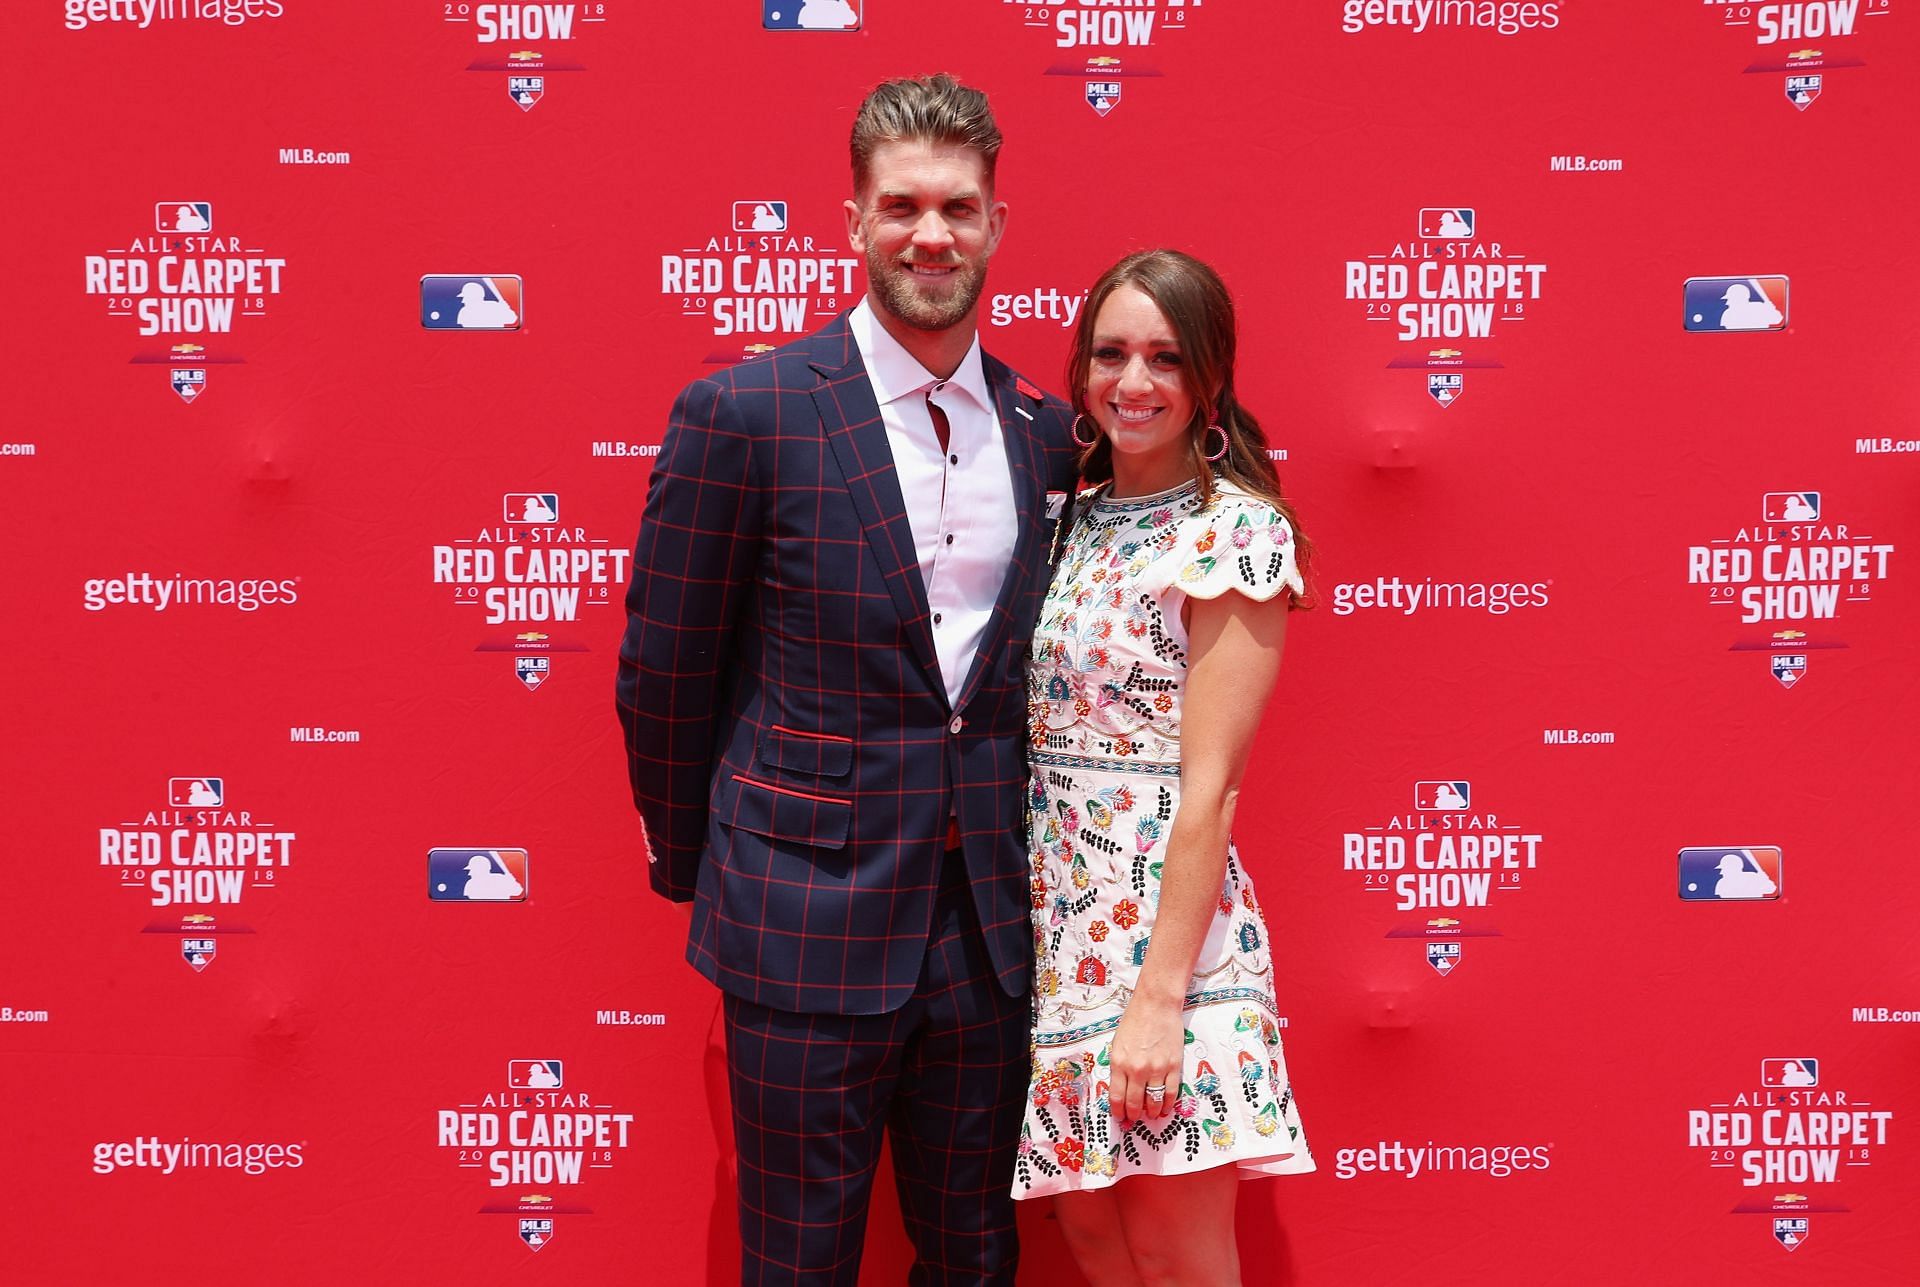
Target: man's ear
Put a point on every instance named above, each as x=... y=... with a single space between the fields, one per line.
x=856 y=226
x=996 y=225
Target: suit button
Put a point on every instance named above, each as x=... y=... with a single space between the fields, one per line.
x=956 y=725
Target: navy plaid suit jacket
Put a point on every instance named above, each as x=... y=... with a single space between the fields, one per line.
x=788 y=733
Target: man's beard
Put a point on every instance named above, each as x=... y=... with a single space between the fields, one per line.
x=901 y=292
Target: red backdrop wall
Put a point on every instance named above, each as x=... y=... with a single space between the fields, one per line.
x=1627 y=589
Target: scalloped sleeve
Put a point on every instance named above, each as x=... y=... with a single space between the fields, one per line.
x=1239 y=544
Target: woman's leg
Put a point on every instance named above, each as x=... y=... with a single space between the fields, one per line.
x=1179 y=1228
x=1091 y=1223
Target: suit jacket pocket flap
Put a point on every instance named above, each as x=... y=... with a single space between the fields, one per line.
x=783 y=813
x=820 y=754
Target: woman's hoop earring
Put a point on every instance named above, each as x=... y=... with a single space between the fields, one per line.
x=1225 y=442
x=1084 y=443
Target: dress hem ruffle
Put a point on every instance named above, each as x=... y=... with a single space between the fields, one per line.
x=1298 y=1162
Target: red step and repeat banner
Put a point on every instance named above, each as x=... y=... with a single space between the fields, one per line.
x=342 y=335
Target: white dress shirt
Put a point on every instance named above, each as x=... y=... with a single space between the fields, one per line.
x=959 y=501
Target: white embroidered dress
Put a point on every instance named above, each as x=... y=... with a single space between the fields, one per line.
x=1104 y=684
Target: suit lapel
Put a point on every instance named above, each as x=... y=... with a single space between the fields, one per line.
x=1016 y=430
x=851 y=418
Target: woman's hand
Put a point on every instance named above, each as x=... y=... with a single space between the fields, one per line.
x=1147 y=1051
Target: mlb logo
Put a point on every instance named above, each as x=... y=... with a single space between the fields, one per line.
x=759 y=216
x=196 y=793
x=477 y=875
x=470 y=302
x=183 y=216
x=1756 y=303
x=1442 y=795
x=1789 y=667
x=1789 y=1074
x=536 y=1231
x=187 y=381
x=1790 y=1231
x=1790 y=507
x=1103 y=95
x=1445 y=386
x=526 y=90
x=531 y=507
x=1446 y=223
x=1802 y=90
x=535 y=1074
x=810 y=15
x=1443 y=957
x=1724 y=873
x=197 y=952
x=532 y=671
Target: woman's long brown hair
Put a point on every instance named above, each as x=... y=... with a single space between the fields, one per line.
x=1196 y=304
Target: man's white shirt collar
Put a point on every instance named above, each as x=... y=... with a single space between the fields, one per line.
x=895 y=373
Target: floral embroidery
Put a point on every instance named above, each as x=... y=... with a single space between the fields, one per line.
x=1107 y=668
x=1197 y=569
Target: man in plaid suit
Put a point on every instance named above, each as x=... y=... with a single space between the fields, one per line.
x=844 y=547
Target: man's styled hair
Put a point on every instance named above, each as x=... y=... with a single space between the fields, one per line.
x=928 y=109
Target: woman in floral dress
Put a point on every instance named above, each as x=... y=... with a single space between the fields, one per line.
x=1156 y=1044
